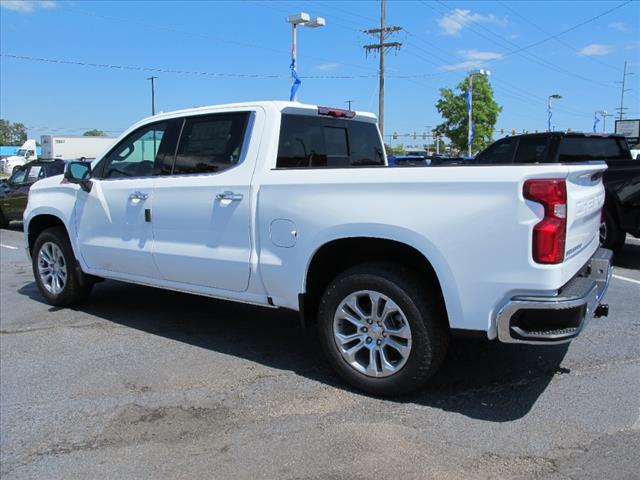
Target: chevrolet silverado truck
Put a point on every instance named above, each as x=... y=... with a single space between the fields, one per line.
x=292 y=206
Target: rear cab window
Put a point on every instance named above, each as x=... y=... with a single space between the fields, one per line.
x=308 y=141
x=584 y=149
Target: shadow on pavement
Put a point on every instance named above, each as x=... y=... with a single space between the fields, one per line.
x=480 y=379
x=628 y=256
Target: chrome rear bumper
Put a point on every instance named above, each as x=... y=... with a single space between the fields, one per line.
x=559 y=318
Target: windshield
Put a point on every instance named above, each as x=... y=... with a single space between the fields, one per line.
x=22 y=152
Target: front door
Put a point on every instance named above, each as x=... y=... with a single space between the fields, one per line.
x=113 y=221
x=202 y=211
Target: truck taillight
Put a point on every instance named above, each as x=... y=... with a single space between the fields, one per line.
x=549 y=234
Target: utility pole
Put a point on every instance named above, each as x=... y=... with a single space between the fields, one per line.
x=153 y=94
x=349 y=102
x=622 y=107
x=381 y=47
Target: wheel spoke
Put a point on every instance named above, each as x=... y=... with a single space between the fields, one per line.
x=345 y=339
x=387 y=366
x=347 y=315
x=403 y=332
x=352 y=302
x=372 y=368
x=401 y=349
x=350 y=355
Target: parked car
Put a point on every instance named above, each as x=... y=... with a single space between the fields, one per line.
x=15 y=190
x=291 y=206
x=621 y=213
x=407 y=161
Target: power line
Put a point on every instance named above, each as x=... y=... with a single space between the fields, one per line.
x=521 y=50
x=558 y=40
x=196 y=33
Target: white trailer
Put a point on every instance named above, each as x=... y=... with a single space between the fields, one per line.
x=73 y=148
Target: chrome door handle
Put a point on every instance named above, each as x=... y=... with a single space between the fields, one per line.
x=138 y=196
x=234 y=197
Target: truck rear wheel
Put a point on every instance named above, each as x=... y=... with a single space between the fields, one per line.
x=57 y=276
x=382 y=328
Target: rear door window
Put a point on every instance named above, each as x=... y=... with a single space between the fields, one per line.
x=211 y=143
x=532 y=150
x=499 y=153
x=36 y=172
x=315 y=142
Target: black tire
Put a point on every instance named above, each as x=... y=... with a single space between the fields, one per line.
x=4 y=221
x=419 y=301
x=77 y=285
x=611 y=236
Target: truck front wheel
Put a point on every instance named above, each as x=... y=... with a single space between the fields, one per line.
x=58 y=278
x=382 y=328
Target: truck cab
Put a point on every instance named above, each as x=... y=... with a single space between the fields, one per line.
x=26 y=153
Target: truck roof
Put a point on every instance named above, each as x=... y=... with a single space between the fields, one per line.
x=568 y=134
x=280 y=105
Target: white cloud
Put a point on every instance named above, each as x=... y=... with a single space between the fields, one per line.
x=327 y=66
x=594 y=49
x=620 y=26
x=479 y=55
x=452 y=23
x=26 y=5
x=471 y=59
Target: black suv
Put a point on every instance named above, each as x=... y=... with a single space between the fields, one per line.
x=621 y=213
x=14 y=192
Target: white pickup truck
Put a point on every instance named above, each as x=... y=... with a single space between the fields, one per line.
x=288 y=205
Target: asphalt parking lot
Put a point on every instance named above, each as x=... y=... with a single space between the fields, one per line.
x=144 y=383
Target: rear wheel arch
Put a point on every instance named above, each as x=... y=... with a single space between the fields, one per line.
x=337 y=256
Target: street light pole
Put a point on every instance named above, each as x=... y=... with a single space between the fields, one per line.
x=153 y=94
x=480 y=72
x=349 y=102
x=305 y=20
x=549 y=113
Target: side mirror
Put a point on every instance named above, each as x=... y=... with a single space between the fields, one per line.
x=80 y=173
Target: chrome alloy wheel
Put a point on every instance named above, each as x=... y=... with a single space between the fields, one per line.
x=52 y=268
x=372 y=333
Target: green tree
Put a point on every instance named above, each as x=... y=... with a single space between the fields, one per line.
x=12 y=133
x=453 y=108
x=397 y=150
x=94 y=133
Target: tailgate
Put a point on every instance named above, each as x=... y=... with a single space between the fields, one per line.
x=585 y=198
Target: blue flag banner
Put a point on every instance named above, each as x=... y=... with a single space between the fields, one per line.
x=471 y=126
x=595 y=122
x=296 y=81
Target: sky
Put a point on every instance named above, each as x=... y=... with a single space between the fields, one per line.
x=219 y=52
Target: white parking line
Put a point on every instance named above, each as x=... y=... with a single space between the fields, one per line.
x=8 y=246
x=626 y=279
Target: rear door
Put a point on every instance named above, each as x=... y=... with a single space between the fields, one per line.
x=202 y=203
